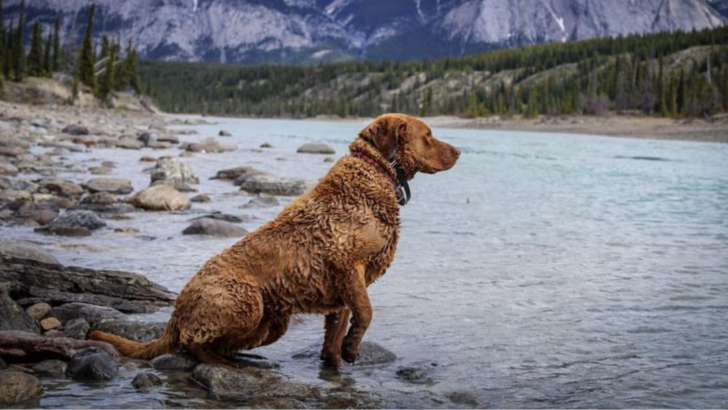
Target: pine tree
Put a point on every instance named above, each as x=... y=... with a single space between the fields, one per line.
x=47 y=58
x=35 y=56
x=3 y=45
x=106 y=83
x=57 y=58
x=18 y=47
x=131 y=71
x=87 y=58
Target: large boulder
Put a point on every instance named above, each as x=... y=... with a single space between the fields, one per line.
x=14 y=317
x=92 y=364
x=116 y=186
x=314 y=148
x=214 y=227
x=172 y=172
x=18 y=388
x=160 y=198
x=27 y=250
x=273 y=185
x=74 y=223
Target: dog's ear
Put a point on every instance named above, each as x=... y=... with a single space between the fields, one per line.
x=384 y=134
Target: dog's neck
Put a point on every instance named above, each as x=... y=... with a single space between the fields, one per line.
x=370 y=154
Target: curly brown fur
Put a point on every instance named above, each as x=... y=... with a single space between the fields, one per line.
x=318 y=256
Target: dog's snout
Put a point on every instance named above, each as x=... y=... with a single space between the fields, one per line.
x=457 y=152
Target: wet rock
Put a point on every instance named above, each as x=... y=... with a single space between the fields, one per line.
x=60 y=187
x=86 y=140
x=245 y=384
x=208 y=226
x=75 y=129
x=17 y=388
x=27 y=250
x=11 y=152
x=129 y=143
x=90 y=313
x=172 y=172
x=266 y=145
x=104 y=202
x=77 y=329
x=38 y=311
x=224 y=133
x=147 y=158
x=116 y=186
x=7 y=168
x=370 y=353
x=314 y=148
x=273 y=185
x=147 y=138
x=137 y=331
x=14 y=317
x=43 y=216
x=328 y=160
x=146 y=381
x=160 y=198
x=177 y=361
x=74 y=223
x=221 y=217
x=92 y=364
x=202 y=198
x=100 y=170
x=50 y=323
x=50 y=368
x=415 y=374
x=463 y=398
x=235 y=173
x=209 y=145
x=169 y=139
x=261 y=201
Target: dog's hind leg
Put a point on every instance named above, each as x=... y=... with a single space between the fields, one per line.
x=204 y=354
x=335 y=324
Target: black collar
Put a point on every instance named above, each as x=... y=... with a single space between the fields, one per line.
x=402 y=190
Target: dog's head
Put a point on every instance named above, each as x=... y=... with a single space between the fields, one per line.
x=409 y=141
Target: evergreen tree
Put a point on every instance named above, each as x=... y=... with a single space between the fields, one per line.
x=35 y=56
x=87 y=57
x=3 y=45
x=18 y=47
x=47 y=57
x=57 y=58
x=131 y=71
x=106 y=82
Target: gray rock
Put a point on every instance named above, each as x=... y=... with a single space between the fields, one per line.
x=415 y=374
x=176 y=361
x=235 y=173
x=172 y=172
x=146 y=381
x=74 y=223
x=50 y=368
x=14 y=317
x=76 y=329
x=213 y=227
x=38 y=311
x=12 y=152
x=17 y=388
x=27 y=250
x=202 y=198
x=170 y=139
x=147 y=138
x=221 y=217
x=115 y=186
x=7 y=168
x=246 y=384
x=75 y=129
x=261 y=201
x=60 y=187
x=160 y=198
x=273 y=185
x=90 y=313
x=138 y=331
x=314 y=148
x=224 y=133
x=92 y=364
x=209 y=145
x=370 y=353
x=129 y=143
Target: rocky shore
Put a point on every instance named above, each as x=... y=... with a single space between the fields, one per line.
x=48 y=308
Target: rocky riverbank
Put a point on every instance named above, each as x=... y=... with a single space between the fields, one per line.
x=47 y=308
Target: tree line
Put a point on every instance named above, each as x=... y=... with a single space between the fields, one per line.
x=672 y=74
x=103 y=69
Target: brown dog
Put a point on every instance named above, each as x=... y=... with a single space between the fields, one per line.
x=318 y=256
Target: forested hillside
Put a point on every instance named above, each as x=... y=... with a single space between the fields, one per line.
x=668 y=74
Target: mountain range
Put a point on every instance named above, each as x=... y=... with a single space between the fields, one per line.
x=312 y=31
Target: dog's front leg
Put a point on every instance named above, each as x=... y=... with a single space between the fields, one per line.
x=357 y=300
x=335 y=324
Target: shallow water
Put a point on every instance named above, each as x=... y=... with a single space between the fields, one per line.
x=542 y=271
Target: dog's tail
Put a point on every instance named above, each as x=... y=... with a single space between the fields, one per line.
x=147 y=351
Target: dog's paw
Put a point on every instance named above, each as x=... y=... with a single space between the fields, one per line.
x=331 y=359
x=349 y=351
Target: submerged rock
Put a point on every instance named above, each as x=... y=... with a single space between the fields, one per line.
x=92 y=364
x=75 y=129
x=213 y=227
x=370 y=353
x=261 y=201
x=17 y=388
x=221 y=217
x=51 y=368
x=145 y=381
x=315 y=148
x=202 y=198
x=176 y=361
x=160 y=198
